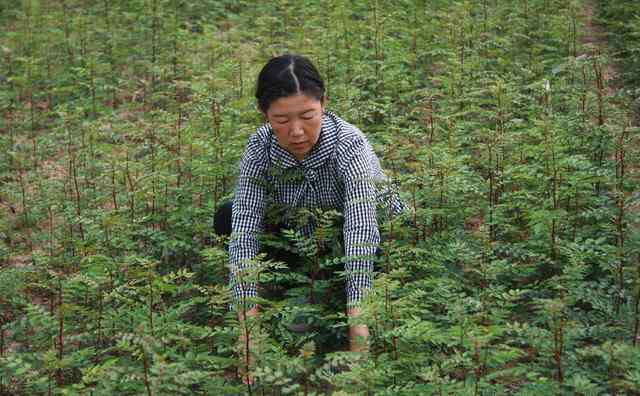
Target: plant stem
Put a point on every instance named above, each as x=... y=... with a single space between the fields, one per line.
x=636 y=326
x=74 y=173
x=150 y=302
x=1 y=340
x=114 y=193
x=145 y=361
x=60 y=329
x=154 y=44
x=620 y=218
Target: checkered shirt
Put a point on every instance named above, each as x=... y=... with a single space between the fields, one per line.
x=341 y=172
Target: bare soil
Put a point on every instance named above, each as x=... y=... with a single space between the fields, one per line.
x=595 y=43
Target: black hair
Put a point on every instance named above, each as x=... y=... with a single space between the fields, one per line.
x=287 y=75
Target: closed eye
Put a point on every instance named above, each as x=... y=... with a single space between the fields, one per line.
x=308 y=115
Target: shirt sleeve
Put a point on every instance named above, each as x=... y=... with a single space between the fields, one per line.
x=247 y=220
x=361 y=234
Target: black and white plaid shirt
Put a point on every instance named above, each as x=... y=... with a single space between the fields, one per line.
x=341 y=172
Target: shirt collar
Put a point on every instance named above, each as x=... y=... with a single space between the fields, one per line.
x=318 y=155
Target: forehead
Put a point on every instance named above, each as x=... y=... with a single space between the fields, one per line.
x=294 y=104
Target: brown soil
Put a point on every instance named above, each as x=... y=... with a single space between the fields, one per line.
x=595 y=43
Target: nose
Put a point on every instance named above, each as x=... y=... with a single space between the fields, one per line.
x=296 y=129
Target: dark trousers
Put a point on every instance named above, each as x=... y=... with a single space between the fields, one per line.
x=222 y=227
x=282 y=282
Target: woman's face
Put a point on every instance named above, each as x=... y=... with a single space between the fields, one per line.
x=296 y=121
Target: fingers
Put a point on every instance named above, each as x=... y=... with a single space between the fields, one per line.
x=358 y=338
x=248 y=379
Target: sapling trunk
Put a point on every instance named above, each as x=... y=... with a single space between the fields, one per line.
x=129 y=184
x=430 y=121
x=99 y=324
x=415 y=214
x=584 y=97
x=491 y=194
x=600 y=92
x=240 y=79
x=376 y=37
x=414 y=38
x=190 y=167
x=216 y=121
x=576 y=212
x=387 y=293
x=67 y=32
x=90 y=177
x=441 y=200
x=82 y=33
x=611 y=371
x=145 y=362
x=59 y=376
x=74 y=174
x=51 y=238
x=23 y=194
x=114 y=186
x=92 y=85
x=245 y=338
x=478 y=367
x=574 y=30
x=154 y=38
x=50 y=77
x=600 y=87
x=495 y=148
x=484 y=15
x=176 y=8
x=558 y=343
x=32 y=113
x=620 y=155
x=314 y=272
x=178 y=128
x=306 y=373
x=461 y=64
x=150 y=301
x=636 y=325
x=108 y=50
x=551 y=169
x=378 y=22
x=1 y=341
x=151 y=143
x=165 y=205
x=554 y=225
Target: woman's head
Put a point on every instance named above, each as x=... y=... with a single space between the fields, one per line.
x=290 y=94
x=288 y=75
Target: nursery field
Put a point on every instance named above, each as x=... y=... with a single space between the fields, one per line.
x=510 y=129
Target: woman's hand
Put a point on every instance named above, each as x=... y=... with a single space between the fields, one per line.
x=246 y=344
x=358 y=333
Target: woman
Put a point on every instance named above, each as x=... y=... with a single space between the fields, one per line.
x=323 y=162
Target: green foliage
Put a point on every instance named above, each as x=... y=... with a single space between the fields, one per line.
x=514 y=270
x=621 y=20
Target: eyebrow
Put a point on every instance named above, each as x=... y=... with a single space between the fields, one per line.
x=301 y=113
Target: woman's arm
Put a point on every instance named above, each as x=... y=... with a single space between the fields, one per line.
x=247 y=222
x=361 y=235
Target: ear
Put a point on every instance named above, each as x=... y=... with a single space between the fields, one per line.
x=323 y=102
x=264 y=114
